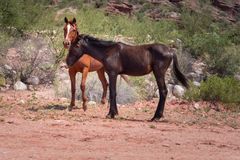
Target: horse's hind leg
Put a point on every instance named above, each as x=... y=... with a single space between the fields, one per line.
x=103 y=80
x=83 y=82
x=162 y=93
x=72 y=75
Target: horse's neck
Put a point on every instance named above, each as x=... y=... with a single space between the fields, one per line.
x=95 y=52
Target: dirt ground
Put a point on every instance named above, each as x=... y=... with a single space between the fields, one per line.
x=36 y=125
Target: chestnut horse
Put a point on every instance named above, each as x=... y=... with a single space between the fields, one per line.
x=119 y=58
x=84 y=65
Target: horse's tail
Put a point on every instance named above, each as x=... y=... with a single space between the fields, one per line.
x=180 y=76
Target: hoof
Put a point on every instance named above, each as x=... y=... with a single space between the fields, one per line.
x=70 y=108
x=103 y=101
x=110 y=116
x=154 y=119
x=84 y=107
x=157 y=118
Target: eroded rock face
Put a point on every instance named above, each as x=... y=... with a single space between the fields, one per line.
x=119 y=8
x=232 y=7
x=226 y=5
x=31 y=57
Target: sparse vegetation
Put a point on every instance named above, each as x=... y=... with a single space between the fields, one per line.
x=216 y=89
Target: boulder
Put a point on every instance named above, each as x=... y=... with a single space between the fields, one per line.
x=237 y=77
x=92 y=103
x=33 y=80
x=20 y=86
x=170 y=90
x=178 y=91
x=7 y=67
x=197 y=84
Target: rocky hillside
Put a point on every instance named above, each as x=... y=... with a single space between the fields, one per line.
x=228 y=10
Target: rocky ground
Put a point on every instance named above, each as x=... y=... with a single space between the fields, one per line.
x=36 y=125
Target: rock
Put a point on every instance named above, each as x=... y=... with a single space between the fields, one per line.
x=156 y=93
x=174 y=15
x=195 y=76
x=20 y=86
x=30 y=87
x=178 y=91
x=197 y=84
x=1 y=70
x=33 y=80
x=22 y=101
x=196 y=106
x=192 y=76
x=170 y=90
x=92 y=103
x=119 y=8
x=7 y=67
x=237 y=77
x=3 y=89
x=62 y=76
x=7 y=86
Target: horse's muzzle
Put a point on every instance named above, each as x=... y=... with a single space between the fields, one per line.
x=66 y=44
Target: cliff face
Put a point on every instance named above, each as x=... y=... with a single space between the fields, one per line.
x=171 y=9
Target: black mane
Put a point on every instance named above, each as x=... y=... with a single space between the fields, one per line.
x=96 y=41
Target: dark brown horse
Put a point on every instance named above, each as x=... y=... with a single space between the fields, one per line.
x=84 y=65
x=119 y=58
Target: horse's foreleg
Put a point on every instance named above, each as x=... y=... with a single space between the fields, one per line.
x=84 y=77
x=112 y=87
x=103 y=80
x=72 y=75
x=162 y=93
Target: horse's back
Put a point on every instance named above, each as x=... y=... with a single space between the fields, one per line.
x=86 y=61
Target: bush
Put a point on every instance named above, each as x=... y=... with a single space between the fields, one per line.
x=19 y=13
x=226 y=62
x=226 y=90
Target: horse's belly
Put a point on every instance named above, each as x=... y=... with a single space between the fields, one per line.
x=137 y=71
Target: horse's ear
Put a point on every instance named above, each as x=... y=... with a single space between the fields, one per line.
x=74 y=20
x=65 y=20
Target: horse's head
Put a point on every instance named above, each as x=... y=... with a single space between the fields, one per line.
x=76 y=51
x=70 y=32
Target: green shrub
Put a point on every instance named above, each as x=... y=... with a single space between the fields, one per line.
x=193 y=22
x=226 y=62
x=226 y=90
x=2 y=80
x=193 y=93
x=19 y=13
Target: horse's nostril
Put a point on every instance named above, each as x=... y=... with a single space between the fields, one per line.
x=66 y=43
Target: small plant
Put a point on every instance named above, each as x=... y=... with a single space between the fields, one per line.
x=193 y=93
x=32 y=101
x=152 y=126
